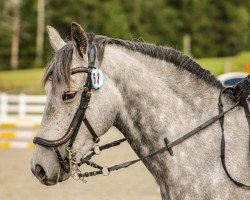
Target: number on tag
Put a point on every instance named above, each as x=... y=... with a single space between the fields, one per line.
x=97 y=78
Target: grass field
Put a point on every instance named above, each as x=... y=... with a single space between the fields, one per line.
x=29 y=81
x=234 y=63
x=22 y=81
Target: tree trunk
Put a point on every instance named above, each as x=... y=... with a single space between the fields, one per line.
x=15 y=33
x=40 y=32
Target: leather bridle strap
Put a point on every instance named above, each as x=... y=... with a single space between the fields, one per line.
x=83 y=107
x=97 y=149
x=96 y=139
x=198 y=129
x=79 y=70
x=168 y=146
x=64 y=163
x=222 y=148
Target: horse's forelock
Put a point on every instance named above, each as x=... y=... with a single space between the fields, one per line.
x=58 y=69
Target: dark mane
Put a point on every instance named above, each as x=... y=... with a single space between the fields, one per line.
x=168 y=54
x=59 y=66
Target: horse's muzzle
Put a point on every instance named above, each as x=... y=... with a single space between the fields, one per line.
x=40 y=174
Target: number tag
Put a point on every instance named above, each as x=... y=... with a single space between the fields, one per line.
x=97 y=78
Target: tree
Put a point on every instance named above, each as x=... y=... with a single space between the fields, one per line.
x=40 y=32
x=13 y=7
x=216 y=28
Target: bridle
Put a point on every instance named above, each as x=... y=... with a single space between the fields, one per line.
x=72 y=164
x=78 y=118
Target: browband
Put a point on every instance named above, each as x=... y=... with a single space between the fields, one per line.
x=75 y=71
x=79 y=70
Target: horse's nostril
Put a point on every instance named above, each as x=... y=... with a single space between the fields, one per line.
x=40 y=173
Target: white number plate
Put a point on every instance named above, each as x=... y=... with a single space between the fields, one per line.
x=97 y=78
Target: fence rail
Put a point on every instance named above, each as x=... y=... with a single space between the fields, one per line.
x=16 y=145
x=20 y=117
x=21 y=106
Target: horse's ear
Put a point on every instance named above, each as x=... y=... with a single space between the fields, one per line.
x=55 y=39
x=79 y=38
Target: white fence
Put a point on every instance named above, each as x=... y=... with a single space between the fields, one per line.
x=21 y=106
x=20 y=117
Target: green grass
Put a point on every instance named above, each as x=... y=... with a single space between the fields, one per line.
x=234 y=63
x=29 y=81
x=22 y=81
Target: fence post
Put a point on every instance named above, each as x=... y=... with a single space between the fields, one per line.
x=22 y=106
x=4 y=105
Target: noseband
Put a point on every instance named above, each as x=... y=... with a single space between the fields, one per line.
x=70 y=163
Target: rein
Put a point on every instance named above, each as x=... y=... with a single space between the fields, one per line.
x=71 y=163
x=241 y=101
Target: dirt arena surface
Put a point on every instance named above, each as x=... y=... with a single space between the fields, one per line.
x=18 y=183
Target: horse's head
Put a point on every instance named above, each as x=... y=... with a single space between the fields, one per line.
x=64 y=93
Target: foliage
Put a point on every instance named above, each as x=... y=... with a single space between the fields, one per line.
x=217 y=28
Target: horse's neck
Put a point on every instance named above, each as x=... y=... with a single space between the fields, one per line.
x=158 y=98
x=159 y=101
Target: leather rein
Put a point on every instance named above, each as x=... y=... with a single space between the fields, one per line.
x=71 y=163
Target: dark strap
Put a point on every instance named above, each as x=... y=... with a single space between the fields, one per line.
x=169 y=146
x=222 y=147
x=91 y=51
x=91 y=164
x=111 y=144
x=96 y=139
x=242 y=90
x=247 y=113
x=64 y=163
x=75 y=71
x=199 y=128
x=241 y=93
x=101 y=148
x=79 y=70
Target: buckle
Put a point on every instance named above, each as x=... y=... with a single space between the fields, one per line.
x=96 y=140
x=169 y=148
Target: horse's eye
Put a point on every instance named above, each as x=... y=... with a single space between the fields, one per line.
x=68 y=95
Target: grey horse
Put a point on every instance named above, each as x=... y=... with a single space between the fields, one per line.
x=150 y=92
